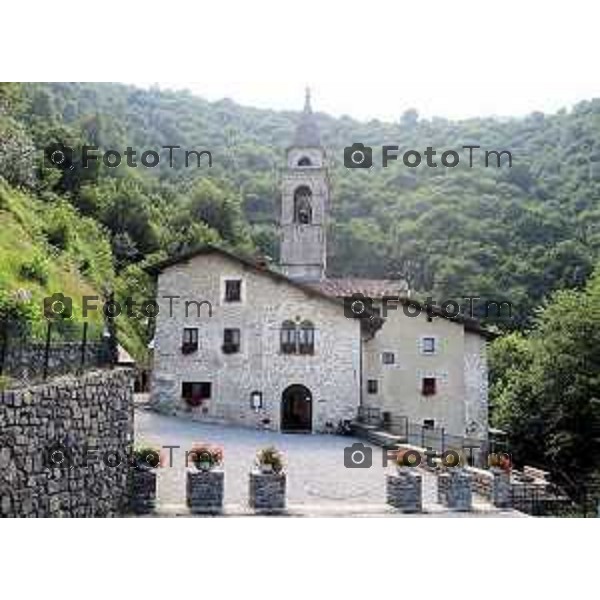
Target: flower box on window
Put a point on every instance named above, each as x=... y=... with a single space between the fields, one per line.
x=230 y=348
x=189 y=348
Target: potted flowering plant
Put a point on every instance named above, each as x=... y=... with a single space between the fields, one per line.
x=146 y=459
x=406 y=458
x=205 y=482
x=499 y=461
x=206 y=457
x=269 y=460
x=267 y=484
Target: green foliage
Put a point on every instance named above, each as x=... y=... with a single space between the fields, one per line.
x=546 y=387
x=146 y=457
x=35 y=269
x=17 y=313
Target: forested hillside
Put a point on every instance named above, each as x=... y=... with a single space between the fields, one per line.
x=503 y=233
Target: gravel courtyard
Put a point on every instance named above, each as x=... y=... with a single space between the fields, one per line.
x=317 y=477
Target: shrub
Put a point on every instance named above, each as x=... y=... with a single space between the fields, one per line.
x=147 y=457
x=58 y=235
x=35 y=270
x=270 y=456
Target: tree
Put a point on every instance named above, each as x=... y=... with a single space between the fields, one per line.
x=546 y=388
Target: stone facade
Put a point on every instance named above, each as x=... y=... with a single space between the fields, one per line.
x=267 y=491
x=404 y=490
x=65 y=446
x=476 y=385
x=331 y=374
x=457 y=364
x=205 y=490
x=454 y=489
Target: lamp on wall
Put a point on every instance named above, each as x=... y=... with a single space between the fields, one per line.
x=256 y=401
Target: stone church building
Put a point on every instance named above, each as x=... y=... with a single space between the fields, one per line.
x=285 y=348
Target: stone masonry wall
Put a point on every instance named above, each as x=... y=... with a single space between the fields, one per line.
x=89 y=419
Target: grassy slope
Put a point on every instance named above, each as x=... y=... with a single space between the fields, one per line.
x=82 y=267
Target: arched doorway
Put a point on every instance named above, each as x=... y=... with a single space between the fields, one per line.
x=296 y=409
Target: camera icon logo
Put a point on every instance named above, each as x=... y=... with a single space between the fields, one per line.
x=57 y=456
x=58 y=155
x=58 y=306
x=358 y=456
x=358 y=156
x=358 y=306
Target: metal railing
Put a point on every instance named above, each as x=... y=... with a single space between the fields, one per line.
x=25 y=359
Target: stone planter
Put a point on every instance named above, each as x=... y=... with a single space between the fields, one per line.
x=404 y=490
x=454 y=489
x=267 y=491
x=204 y=491
x=142 y=499
x=501 y=488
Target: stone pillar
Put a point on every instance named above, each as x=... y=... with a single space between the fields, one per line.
x=267 y=491
x=143 y=491
x=454 y=489
x=404 y=490
x=501 y=488
x=204 y=490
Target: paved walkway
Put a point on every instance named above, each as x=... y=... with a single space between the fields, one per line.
x=317 y=477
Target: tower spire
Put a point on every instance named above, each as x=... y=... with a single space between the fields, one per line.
x=307 y=132
x=307 y=106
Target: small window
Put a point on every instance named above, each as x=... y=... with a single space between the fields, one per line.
x=195 y=392
x=428 y=423
x=231 y=341
x=189 y=342
x=288 y=337
x=428 y=345
x=233 y=290
x=372 y=386
x=428 y=386
x=306 y=338
x=388 y=358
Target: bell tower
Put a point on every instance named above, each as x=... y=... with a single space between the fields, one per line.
x=304 y=203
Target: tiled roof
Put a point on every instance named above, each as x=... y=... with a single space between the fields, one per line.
x=373 y=288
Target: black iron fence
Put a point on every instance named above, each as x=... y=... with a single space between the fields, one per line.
x=427 y=436
x=61 y=351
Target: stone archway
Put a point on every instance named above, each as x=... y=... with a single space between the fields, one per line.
x=296 y=409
